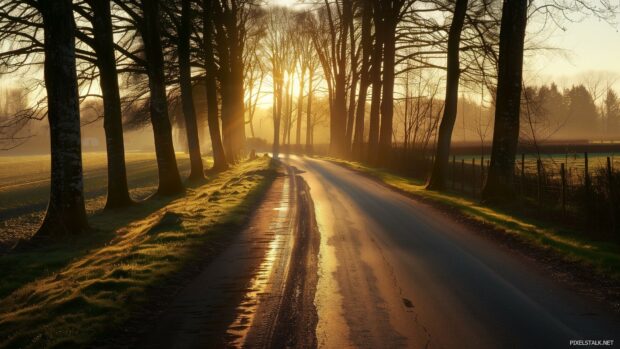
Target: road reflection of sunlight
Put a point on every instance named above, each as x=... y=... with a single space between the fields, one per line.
x=246 y=311
x=332 y=329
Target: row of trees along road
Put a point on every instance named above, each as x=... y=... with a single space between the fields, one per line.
x=161 y=49
x=351 y=52
x=362 y=46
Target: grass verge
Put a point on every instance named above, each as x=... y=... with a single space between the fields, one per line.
x=68 y=294
x=600 y=256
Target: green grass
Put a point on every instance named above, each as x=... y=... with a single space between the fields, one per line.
x=70 y=293
x=603 y=257
x=24 y=187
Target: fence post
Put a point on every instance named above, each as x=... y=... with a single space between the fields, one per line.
x=539 y=181
x=453 y=172
x=610 y=190
x=563 y=177
x=522 y=181
x=462 y=175
x=473 y=176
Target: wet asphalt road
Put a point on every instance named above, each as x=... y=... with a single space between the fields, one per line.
x=394 y=272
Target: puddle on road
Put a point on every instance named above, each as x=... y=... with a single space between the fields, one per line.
x=237 y=332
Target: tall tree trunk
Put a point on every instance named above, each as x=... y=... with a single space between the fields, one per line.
x=237 y=73
x=339 y=115
x=351 y=110
x=66 y=213
x=221 y=18
x=277 y=113
x=238 y=105
x=227 y=113
x=230 y=50
x=219 y=156
x=339 y=62
x=355 y=75
x=387 y=100
x=358 y=137
x=276 y=129
x=439 y=174
x=309 y=125
x=375 y=78
x=500 y=181
x=187 y=94
x=169 y=179
x=300 y=106
x=289 y=115
x=103 y=38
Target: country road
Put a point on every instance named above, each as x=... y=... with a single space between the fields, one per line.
x=332 y=259
x=395 y=273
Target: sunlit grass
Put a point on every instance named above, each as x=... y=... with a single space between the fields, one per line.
x=70 y=293
x=603 y=257
x=25 y=180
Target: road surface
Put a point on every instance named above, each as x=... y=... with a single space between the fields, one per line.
x=252 y=294
x=397 y=273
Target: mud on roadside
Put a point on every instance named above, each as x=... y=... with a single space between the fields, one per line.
x=297 y=317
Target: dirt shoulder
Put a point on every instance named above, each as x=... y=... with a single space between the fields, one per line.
x=258 y=291
x=297 y=317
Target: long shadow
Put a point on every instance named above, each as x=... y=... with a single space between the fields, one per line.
x=21 y=266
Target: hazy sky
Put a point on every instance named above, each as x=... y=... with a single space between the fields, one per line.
x=590 y=45
x=584 y=47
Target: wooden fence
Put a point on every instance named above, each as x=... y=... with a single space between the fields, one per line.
x=585 y=197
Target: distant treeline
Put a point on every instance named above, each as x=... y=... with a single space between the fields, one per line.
x=571 y=113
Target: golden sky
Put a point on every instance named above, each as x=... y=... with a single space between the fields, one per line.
x=583 y=48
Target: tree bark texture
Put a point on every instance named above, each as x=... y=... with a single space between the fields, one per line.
x=500 y=181
x=66 y=214
x=169 y=178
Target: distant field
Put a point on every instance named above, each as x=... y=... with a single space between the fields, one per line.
x=24 y=187
x=574 y=162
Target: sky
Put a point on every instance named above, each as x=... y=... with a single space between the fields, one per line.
x=584 y=48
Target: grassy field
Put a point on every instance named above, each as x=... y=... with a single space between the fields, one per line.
x=24 y=188
x=574 y=162
x=603 y=257
x=71 y=293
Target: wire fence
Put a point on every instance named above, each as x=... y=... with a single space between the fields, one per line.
x=582 y=191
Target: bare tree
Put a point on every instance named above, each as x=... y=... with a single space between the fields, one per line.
x=330 y=39
x=278 y=50
x=500 y=181
x=392 y=12
x=102 y=43
x=169 y=179
x=367 y=48
x=230 y=19
x=219 y=157
x=187 y=95
x=66 y=214
x=439 y=173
